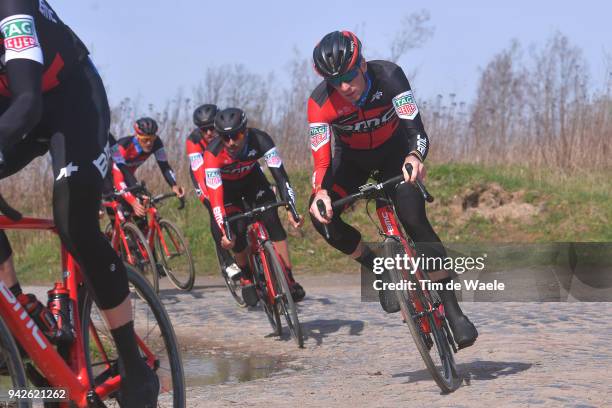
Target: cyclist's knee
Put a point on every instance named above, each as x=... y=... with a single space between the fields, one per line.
x=274 y=226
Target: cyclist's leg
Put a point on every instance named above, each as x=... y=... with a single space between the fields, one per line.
x=347 y=176
x=80 y=155
x=260 y=192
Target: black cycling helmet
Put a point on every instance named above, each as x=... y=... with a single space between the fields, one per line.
x=230 y=121
x=336 y=53
x=145 y=126
x=204 y=115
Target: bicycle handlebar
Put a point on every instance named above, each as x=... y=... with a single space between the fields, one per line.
x=371 y=190
x=254 y=212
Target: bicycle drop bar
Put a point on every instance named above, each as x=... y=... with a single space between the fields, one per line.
x=250 y=214
x=135 y=187
x=372 y=190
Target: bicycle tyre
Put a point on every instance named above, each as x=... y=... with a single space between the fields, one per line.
x=166 y=333
x=287 y=305
x=147 y=267
x=270 y=309
x=449 y=380
x=10 y=356
x=179 y=278
x=231 y=285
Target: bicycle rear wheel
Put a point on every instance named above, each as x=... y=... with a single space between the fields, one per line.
x=12 y=374
x=271 y=309
x=444 y=373
x=154 y=329
x=285 y=300
x=175 y=256
x=140 y=255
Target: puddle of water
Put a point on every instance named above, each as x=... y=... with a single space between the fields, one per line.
x=209 y=369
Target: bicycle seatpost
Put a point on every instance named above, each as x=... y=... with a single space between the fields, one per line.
x=323 y=212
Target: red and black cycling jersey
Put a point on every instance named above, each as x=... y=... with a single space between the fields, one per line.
x=195 y=147
x=30 y=29
x=128 y=155
x=388 y=109
x=37 y=53
x=220 y=166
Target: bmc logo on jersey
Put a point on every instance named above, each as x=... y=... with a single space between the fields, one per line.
x=405 y=105
x=369 y=125
x=213 y=178
x=319 y=135
x=18 y=32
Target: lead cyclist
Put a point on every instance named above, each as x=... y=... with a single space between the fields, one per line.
x=370 y=109
x=53 y=100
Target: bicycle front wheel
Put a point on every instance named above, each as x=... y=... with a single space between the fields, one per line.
x=136 y=252
x=439 y=361
x=175 y=256
x=156 y=339
x=285 y=301
x=12 y=374
x=269 y=307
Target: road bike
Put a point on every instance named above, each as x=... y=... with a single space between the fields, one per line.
x=421 y=308
x=269 y=272
x=171 y=254
x=84 y=362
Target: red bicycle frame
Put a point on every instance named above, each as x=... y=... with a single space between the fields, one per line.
x=388 y=221
x=257 y=234
x=71 y=374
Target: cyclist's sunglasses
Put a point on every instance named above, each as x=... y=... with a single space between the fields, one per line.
x=236 y=136
x=207 y=128
x=146 y=138
x=347 y=77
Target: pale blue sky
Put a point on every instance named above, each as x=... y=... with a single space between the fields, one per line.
x=152 y=48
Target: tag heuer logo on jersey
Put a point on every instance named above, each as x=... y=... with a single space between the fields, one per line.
x=213 y=178
x=18 y=33
x=272 y=158
x=319 y=135
x=405 y=105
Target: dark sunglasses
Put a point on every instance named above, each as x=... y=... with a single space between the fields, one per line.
x=236 y=136
x=347 y=77
x=207 y=128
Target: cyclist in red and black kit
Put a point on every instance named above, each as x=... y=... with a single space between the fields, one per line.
x=196 y=143
x=52 y=100
x=131 y=152
x=370 y=109
x=232 y=174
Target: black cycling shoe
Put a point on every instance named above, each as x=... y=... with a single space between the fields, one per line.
x=387 y=298
x=141 y=393
x=297 y=292
x=249 y=294
x=464 y=331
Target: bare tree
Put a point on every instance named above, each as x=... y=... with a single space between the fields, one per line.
x=415 y=30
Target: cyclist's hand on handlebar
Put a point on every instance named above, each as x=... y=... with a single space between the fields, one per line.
x=293 y=221
x=226 y=243
x=178 y=190
x=314 y=210
x=418 y=169
x=139 y=209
